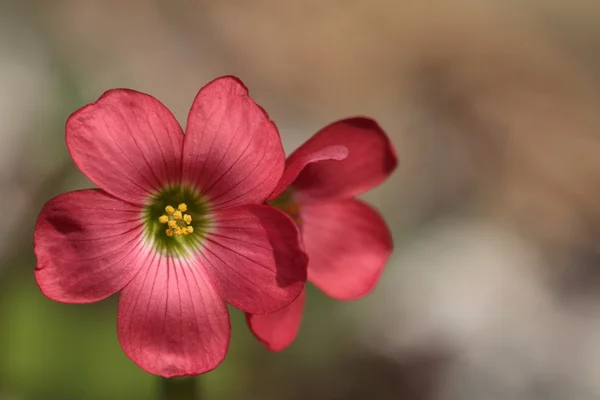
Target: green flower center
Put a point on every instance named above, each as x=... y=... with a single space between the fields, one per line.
x=286 y=203
x=176 y=220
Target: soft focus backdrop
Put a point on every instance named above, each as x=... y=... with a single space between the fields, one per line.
x=493 y=291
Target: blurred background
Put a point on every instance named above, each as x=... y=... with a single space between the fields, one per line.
x=493 y=291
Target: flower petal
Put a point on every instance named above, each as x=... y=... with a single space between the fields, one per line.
x=371 y=159
x=301 y=158
x=88 y=246
x=348 y=244
x=171 y=320
x=128 y=143
x=254 y=254
x=232 y=150
x=278 y=330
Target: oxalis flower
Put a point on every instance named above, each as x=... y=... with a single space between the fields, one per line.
x=347 y=241
x=178 y=225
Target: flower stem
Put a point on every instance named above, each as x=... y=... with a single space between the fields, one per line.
x=180 y=389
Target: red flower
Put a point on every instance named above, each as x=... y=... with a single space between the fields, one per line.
x=178 y=226
x=348 y=243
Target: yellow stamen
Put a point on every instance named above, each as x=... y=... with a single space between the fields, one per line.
x=177 y=221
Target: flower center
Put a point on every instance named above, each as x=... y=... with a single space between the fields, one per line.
x=171 y=216
x=177 y=222
x=285 y=202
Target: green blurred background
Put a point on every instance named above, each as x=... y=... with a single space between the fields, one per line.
x=495 y=209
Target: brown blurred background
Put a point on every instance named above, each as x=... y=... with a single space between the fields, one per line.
x=493 y=291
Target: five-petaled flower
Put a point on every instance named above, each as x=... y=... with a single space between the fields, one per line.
x=178 y=225
x=348 y=243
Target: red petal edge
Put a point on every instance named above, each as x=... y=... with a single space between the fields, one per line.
x=303 y=157
x=171 y=320
x=254 y=254
x=128 y=143
x=348 y=244
x=278 y=330
x=88 y=246
x=371 y=159
x=232 y=150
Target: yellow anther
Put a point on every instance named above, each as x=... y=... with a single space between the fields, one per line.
x=176 y=221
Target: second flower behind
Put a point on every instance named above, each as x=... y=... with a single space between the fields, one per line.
x=348 y=242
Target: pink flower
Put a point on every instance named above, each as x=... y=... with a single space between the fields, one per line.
x=178 y=226
x=348 y=243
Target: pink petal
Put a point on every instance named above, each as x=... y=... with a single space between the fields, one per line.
x=348 y=244
x=254 y=254
x=171 y=320
x=371 y=159
x=128 y=143
x=278 y=330
x=232 y=150
x=301 y=158
x=88 y=246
